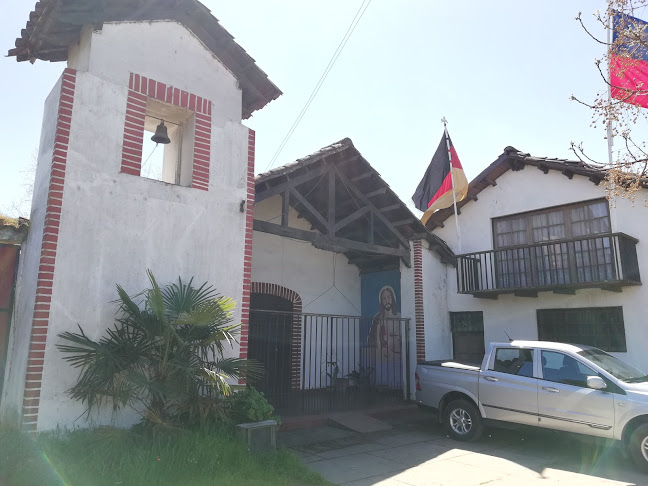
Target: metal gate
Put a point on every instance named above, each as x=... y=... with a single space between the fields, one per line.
x=317 y=363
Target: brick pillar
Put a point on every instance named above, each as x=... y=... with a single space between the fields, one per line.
x=247 y=258
x=49 y=245
x=418 y=300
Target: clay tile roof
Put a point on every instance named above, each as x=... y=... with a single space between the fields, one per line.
x=54 y=25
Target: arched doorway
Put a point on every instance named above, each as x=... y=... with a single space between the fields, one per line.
x=275 y=340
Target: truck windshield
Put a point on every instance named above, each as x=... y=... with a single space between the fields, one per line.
x=617 y=368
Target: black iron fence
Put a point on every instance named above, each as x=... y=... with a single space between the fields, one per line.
x=315 y=363
x=587 y=261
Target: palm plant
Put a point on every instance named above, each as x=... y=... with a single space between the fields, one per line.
x=164 y=360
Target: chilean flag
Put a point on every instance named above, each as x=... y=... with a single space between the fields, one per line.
x=435 y=189
x=629 y=60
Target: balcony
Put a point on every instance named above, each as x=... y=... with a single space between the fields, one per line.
x=603 y=261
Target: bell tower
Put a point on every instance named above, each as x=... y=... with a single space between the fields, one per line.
x=144 y=163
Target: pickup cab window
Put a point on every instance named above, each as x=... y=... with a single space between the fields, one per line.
x=617 y=368
x=560 y=368
x=514 y=361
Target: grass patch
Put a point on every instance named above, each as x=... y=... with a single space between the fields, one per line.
x=114 y=457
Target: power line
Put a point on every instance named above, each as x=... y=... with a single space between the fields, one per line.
x=354 y=23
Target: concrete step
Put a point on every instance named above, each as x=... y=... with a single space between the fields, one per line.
x=359 y=422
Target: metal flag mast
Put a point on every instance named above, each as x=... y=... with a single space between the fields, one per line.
x=610 y=133
x=454 y=194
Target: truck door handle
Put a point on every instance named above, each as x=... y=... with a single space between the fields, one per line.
x=490 y=378
x=551 y=389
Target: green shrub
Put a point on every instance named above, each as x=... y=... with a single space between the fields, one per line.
x=165 y=351
x=250 y=405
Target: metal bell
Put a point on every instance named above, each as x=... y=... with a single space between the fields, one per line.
x=161 y=135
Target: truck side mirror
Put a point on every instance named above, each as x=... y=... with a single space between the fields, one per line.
x=596 y=382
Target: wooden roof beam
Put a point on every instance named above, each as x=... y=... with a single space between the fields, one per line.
x=391 y=207
x=403 y=222
x=366 y=175
x=375 y=210
x=326 y=242
x=377 y=192
x=279 y=188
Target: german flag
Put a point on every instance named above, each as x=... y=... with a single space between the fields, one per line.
x=435 y=189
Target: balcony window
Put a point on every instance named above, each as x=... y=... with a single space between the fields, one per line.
x=560 y=248
x=558 y=263
x=551 y=224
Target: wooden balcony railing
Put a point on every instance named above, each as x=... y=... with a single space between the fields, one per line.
x=606 y=261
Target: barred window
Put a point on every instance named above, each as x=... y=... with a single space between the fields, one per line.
x=601 y=327
x=467 y=336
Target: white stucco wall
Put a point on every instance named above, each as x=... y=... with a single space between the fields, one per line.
x=162 y=50
x=531 y=189
x=113 y=225
x=18 y=348
x=435 y=305
x=325 y=281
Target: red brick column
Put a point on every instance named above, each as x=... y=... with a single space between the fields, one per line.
x=418 y=300
x=247 y=257
x=49 y=245
x=296 y=328
x=140 y=89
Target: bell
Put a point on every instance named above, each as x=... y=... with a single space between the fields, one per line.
x=160 y=135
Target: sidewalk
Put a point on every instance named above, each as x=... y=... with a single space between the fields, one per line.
x=416 y=452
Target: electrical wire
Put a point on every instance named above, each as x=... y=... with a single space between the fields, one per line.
x=352 y=26
x=143 y=166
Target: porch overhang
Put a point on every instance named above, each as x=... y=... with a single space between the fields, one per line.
x=349 y=207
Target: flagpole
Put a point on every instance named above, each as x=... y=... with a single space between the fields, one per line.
x=454 y=194
x=610 y=135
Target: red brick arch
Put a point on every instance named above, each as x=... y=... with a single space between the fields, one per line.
x=295 y=337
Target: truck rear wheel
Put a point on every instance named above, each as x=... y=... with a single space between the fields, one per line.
x=463 y=420
x=638 y=447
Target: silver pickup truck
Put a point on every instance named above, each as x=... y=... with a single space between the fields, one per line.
x=566 y=387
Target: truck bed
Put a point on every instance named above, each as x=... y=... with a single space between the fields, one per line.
x=446 y=363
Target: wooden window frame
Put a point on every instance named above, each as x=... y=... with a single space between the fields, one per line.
x=529 y=229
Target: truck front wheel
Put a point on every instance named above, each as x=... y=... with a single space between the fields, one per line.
x=463 y=420
x=638 y=447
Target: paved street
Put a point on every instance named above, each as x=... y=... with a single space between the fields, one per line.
x=417 y=452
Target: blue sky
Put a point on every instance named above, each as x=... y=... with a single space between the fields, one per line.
x=501 y=72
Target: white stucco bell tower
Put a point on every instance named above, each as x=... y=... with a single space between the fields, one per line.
x=100 y=216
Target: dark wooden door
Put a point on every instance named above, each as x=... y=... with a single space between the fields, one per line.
x=270 y=342
x=8 y=267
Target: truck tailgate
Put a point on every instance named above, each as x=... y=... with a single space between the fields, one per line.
x=438 y=378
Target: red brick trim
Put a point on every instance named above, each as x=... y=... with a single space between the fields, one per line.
x=419 y=312
x=49 y=245
x=140 y=90
x=247 y=256
x=296 y=331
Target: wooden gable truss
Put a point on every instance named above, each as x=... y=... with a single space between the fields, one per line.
x=350 y=209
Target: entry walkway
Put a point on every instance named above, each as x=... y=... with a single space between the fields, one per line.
x=416 y=452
